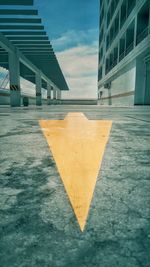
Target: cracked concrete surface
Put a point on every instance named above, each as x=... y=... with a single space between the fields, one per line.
x=37 y=224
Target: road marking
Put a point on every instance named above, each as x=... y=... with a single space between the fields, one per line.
x=77 y=145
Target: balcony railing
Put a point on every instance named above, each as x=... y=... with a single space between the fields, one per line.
x=127 y=51
x=129 y=48
x=113 y=64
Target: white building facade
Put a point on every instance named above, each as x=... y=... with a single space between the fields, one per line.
x=124 y=53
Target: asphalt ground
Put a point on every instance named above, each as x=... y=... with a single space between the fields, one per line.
x=37 y=225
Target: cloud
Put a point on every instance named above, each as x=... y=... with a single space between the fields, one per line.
x=80 y=67
x=74 y=38
x=3 y=72
x=28 y=88
x=81 y=89
x=79 y=61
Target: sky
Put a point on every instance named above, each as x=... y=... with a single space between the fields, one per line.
x=72 y=26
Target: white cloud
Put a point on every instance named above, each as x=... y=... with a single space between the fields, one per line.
x=74 y=38
x=3 y=72
x=27 y=87
x=80 y=66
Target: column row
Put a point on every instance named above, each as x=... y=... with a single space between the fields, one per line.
x=15 y=92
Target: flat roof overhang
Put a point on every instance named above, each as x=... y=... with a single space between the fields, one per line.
x=17 y=2
x=28 y=36
x=18 y=12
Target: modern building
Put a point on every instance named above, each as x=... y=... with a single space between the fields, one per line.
x=25 y=51
x=124 y=52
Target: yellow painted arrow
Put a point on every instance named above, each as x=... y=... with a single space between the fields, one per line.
x=77 y=145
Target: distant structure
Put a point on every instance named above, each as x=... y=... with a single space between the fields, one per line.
x=25 y=50
x=124 y=52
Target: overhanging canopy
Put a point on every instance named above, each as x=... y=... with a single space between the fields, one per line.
x=28 y=35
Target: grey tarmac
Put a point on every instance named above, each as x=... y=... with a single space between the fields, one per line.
x=37 y=224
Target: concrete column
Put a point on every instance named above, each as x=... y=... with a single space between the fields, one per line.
x=54 y=93
x=109 y=99
x=58 y=94
x=140 y=80
x=48 y=94
x=14 y=74
x=38 y=88
x=147 y=84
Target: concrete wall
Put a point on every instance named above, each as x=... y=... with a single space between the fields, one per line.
x=133 y=43
x=79 y=101
x=4 y=100
x=140 y=82
x=147 y=84
x=123 y=101
x=73 y=102
x=122 y=89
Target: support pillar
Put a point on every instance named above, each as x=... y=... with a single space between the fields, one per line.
x=38 y=88
x=58 y=94
x=48 y=94
x=54 y=95
x=14 y=74
x=110 y=98
x=140 y=82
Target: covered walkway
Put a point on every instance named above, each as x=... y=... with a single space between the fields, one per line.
x=25 y=50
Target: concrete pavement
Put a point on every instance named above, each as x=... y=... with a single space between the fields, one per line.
x=37 y=223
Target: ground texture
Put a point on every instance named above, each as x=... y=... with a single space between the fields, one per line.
x=37 y=225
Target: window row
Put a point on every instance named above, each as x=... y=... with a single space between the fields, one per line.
x=111 y=10
x=130 y=38
x=126 y=8
x=100 y=74
x=100 y=54
x=101 y=15
x=112 y=32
